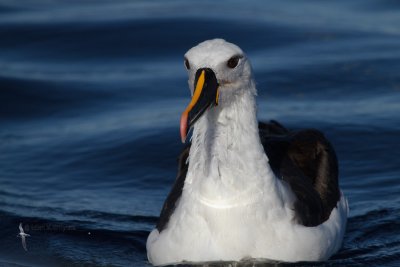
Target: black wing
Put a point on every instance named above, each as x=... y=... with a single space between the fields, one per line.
x=176 y=191
x=305 y=159
x=307 y=162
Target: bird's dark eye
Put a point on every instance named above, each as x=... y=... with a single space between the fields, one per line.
x=187 y=65
x=233 y=62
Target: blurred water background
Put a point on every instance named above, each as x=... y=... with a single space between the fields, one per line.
x=91 y=94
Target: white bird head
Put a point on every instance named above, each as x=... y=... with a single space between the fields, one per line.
x=218 y=71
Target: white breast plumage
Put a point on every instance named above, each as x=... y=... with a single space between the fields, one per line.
x=232 y=200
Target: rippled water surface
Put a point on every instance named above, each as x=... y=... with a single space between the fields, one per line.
x=90 y=98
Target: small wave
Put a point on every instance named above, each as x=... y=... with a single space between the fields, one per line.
x=372 y=239
x=27 y=99
x=113 y=217
x=54 y=242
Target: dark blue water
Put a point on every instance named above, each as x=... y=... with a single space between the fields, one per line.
x=91 y=94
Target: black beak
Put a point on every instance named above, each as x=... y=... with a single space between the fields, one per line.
x=205 y=95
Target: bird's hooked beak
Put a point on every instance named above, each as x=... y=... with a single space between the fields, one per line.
x=205 y=95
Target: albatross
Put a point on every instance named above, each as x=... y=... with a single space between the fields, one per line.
x=245 y=189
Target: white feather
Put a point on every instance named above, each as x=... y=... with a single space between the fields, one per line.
x=232 y=206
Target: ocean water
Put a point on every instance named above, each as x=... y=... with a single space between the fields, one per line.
x=91 y=94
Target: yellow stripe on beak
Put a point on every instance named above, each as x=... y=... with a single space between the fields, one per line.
x=197 y=91
x=195 y=98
